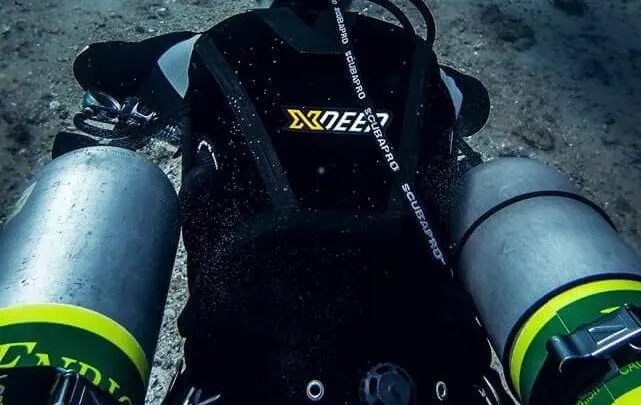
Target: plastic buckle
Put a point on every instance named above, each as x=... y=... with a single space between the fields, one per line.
x=593 y=353
x=72 y=389
x=134 y=111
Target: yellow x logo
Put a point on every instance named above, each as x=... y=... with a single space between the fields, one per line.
x=300 y=120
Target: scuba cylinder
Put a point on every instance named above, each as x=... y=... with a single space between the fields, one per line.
x=85 y=264
x=541 y=263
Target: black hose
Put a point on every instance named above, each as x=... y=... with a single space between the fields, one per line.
x=397 y=13
x=427 y=17
x=81 y=124
x=423 y=10
x=420 y=5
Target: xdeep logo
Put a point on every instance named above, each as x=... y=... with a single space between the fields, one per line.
x=334 y=121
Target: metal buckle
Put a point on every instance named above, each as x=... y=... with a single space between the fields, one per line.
x=101 y=104
x=105 y=108
x=596 y=350
x=136 y=114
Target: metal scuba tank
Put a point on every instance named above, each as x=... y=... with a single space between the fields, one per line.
x=551 y=279
x=85 y=265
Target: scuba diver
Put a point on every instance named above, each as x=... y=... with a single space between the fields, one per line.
x=344 y=243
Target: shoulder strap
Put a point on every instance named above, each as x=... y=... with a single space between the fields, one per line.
x=259 y=142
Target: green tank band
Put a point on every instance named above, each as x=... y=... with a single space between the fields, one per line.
x=77 y=339
x=562 y=315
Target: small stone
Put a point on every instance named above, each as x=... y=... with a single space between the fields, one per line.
x=54 y=105
x=170 y=313
x=155 y=13
x=20 y=26
x=162 y=12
